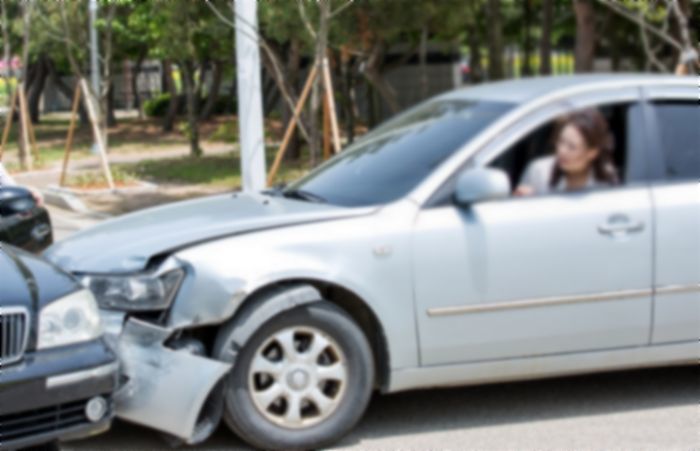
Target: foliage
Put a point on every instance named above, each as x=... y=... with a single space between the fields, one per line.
x=211 y=170
x=157 y=106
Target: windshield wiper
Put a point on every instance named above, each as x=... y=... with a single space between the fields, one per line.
x=304 y=195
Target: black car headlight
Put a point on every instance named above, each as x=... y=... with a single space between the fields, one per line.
x=135 y=292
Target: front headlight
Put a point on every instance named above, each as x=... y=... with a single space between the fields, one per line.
x=139 y=292
x=72 y=319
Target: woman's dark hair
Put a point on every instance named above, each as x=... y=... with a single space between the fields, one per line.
x=595 y=131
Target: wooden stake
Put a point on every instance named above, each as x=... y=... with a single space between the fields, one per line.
x=8 y=123
x=69 y=138
x=328 y=88
x=94 y=121
x=290 y=127
x=326 y=129
x=24 y=128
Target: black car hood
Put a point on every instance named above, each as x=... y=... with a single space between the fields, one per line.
x=29 y=281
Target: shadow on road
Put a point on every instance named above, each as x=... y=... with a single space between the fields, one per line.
x=467 y=407
x=499 y=404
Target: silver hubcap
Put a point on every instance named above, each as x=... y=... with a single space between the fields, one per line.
x=297 y=377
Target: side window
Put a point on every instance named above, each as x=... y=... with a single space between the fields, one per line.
x=529 y=156
x=679 y=138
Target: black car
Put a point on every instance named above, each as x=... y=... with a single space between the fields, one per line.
x=57 y=373
x=23 y=223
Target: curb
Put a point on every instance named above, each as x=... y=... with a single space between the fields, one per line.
x=61 y=198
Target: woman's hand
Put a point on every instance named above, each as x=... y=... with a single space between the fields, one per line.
x=523 y=190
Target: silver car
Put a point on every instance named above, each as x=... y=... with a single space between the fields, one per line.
x=406 y=262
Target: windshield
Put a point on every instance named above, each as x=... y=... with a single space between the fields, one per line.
x=387 y=163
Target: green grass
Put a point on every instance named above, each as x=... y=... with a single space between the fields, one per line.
x=120 y=177
x=215 y=171
x=48 y=156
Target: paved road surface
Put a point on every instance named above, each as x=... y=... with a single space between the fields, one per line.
x=640 y=410
x=655 y=409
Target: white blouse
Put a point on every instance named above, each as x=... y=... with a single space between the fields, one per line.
x=538 y=176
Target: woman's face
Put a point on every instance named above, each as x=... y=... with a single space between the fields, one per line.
x=573 y=154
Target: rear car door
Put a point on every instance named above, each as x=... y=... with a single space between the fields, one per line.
x=674 y=135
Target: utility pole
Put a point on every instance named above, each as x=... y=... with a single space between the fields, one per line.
x=250 y=114
x=94 y=62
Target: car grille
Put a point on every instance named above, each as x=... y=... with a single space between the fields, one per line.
x=14 y=328
x=48 y=420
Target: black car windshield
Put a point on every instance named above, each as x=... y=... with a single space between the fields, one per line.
x=387 y=163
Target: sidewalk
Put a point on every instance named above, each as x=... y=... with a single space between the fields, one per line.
x=123 y=200
x=66 y=223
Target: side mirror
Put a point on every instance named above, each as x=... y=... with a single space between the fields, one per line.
x=14 y=199
x=480 y=184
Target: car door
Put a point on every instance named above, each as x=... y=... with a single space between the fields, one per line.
x=533 y=276
x=674 y=134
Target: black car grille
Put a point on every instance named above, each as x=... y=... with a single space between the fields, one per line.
x=14 y=328
x=46 y=420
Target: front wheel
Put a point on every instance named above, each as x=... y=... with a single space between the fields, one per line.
x=302 y=381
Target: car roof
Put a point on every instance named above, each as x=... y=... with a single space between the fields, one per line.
x=523 y=90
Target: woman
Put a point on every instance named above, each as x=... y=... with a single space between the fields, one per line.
x=583 y=158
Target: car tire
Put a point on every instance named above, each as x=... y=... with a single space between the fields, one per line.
x=302 y=381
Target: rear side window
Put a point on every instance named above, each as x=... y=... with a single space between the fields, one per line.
x=679 y=130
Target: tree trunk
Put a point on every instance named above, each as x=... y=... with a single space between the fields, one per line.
x=476 y=71
x=135 y=71
x=25 y=155
x=292 y=69
x=527 y=39
x=67 y=92
x=171 y=114
x=213 y=94
x=495 y=39
x=111 y=118
x=423 y=62
x=347 y=85
x=191 y=95
x=546 y=39
x=271 y=94
x=6 y=52
x=380 y=86
x=36 y=88
x=585 y=35
x=316 y=92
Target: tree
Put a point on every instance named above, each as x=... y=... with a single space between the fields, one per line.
x=654 y=20
x=495 y=39
x=546 y=37
x=585 y=35
x=198 y=39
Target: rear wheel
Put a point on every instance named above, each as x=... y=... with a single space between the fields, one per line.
x=302 y=381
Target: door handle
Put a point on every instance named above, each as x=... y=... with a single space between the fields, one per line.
x=620 y=224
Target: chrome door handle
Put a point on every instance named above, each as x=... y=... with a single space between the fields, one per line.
x=618 y=226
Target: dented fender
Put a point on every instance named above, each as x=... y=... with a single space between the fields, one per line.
x=235 y=334
x=166 y=389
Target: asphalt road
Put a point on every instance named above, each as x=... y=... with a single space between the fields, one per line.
x=657 y=409
x=639 y=410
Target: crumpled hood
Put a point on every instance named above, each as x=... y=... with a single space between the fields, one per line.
x=127 y=243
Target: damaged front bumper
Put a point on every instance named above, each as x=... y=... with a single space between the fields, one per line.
x=163 y=388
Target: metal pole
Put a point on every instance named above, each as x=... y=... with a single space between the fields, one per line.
x=250 y=115
x=94 y=63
